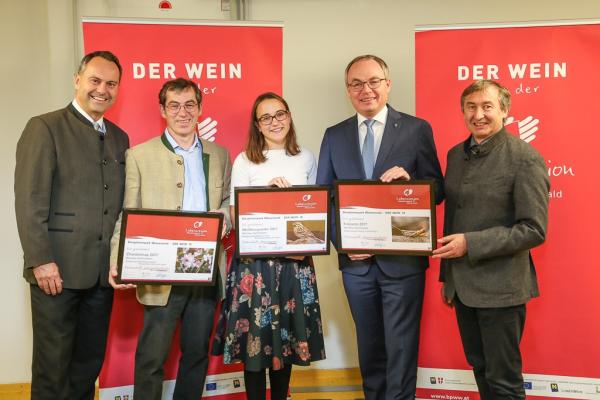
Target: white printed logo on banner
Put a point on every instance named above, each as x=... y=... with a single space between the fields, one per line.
x=207 y=129
x=527 y=127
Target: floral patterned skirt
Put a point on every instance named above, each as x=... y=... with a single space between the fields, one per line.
x=271 y=314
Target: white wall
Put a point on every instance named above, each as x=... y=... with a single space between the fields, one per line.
x=34 y=79
x=40 y=45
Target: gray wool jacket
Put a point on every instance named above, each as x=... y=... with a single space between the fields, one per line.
x=69 y=183
x=497 y=197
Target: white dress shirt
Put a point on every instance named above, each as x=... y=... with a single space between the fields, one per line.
x=378 y=128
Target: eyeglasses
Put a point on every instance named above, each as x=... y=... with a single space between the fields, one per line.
x=190 y=106
x=267 y=119
x=357 y=86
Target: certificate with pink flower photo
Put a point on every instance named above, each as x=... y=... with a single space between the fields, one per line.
x=169 y=247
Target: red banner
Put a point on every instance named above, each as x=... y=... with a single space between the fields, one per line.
x=172 y=228
x=232 y=64
x=551 y=71
x=405 y=196
x=285 y=202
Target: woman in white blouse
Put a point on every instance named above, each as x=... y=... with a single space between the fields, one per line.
x=272 y=309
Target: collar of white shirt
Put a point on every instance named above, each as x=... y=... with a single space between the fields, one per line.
x=380 y=117
x=378 y=128
x=86 y=115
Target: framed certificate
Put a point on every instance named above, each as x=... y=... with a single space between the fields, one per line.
x=169 y=247
x=272 y=222
x=385 y=218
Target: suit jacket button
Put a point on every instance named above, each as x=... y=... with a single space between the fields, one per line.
x=179 y=162
x=178 y=208
x=99 y=237
x=105 y=212
x=105 y=187
x=179 y=185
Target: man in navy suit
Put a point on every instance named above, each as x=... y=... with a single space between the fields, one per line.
x=385 y=292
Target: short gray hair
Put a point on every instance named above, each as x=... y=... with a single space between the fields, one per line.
x=480 y=85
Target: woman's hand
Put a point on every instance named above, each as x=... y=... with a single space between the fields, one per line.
x=280 y=181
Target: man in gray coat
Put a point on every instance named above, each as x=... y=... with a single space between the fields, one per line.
x=69 y=181
x=496 y=211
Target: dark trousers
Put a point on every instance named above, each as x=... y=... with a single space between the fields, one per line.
x=69 y=341
x=387 y=316
x=195 y=307
x=491 y=338
x=256 y=383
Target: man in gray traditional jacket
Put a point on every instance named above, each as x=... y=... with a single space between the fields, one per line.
x=496 y=211
x=69 y=182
